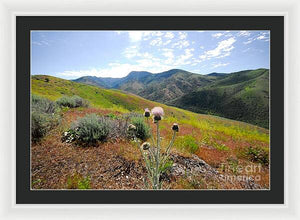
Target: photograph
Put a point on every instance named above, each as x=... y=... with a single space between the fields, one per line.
x=150 y=110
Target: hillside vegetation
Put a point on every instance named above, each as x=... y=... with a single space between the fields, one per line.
x=242 y=96
x=218 y=141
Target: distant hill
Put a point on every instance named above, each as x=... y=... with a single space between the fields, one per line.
x=159 y=87
x=240 y=95
x=98 y=81
x=217 y=74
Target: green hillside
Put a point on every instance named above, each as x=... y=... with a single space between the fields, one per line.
x=119 y=101
x=219 y=142
x=242 y=96
x=174 y=86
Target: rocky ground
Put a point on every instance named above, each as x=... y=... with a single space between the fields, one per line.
x=109 y=168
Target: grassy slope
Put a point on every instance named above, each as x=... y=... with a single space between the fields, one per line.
x=122 y=102
x=218 y=139
x=164 y=87
x=242 y=96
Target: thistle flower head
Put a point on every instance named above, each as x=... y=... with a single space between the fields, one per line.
x=157 y=113
x=147 y=113
x=175 y=127
x=131 y=127
x=146 y=145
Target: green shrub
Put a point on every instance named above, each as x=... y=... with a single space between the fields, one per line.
x=80 y=102
x=187 y=142
x=257 y=154
x=40 y=104
x=66 y=101
x=142 y=129
x=44 y=117
x=39 y=126
x=167 y=166
x=112 y=116
x=90 y=129
x=77 y=181
x=41 y=123
x=72 y=102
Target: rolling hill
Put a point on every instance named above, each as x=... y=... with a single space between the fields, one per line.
x=242 y=96
x=217 y=141
x=120 y=101
x=157 y=87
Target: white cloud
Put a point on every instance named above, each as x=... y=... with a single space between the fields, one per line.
x=131 y=51
x=217 y=35
x=147 y=55
x=135 y=35
x=167 y=42
x=41 y=43
x=157 y=33
x=169 y=35
x=181 y=44
x=134 y=52
x=248 y=42
x=228 y=35
x=182 y=35
x=219 y=65
x=244 y=33
x=117 y=69
x=156 y=42
x=222 y=50
x=168 y=53
x=261 y=37
x=264 y=36
x=184 y=59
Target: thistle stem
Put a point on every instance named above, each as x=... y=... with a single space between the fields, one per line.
x=157 y=155
x=169 y=147
x=152 y=138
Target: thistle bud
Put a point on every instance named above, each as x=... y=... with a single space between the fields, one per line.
x=175 y=127
x=147 y=113
x=156 y=118
x=157 y=113
x=146 y=145
x=131 y=127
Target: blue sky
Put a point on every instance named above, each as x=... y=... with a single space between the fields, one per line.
x=72 y=54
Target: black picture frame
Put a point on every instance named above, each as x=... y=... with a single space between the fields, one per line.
x=25 y=24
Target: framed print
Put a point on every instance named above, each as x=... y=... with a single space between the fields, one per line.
x=150 y=109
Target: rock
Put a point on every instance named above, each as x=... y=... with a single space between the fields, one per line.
x=194 y=165
x=189 y=167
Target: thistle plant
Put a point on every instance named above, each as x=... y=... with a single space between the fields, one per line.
x=152 y=153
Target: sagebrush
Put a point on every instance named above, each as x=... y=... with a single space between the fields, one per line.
x=44 y=117
x=72 y=101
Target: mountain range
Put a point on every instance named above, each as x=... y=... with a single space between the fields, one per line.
x=242 y=96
